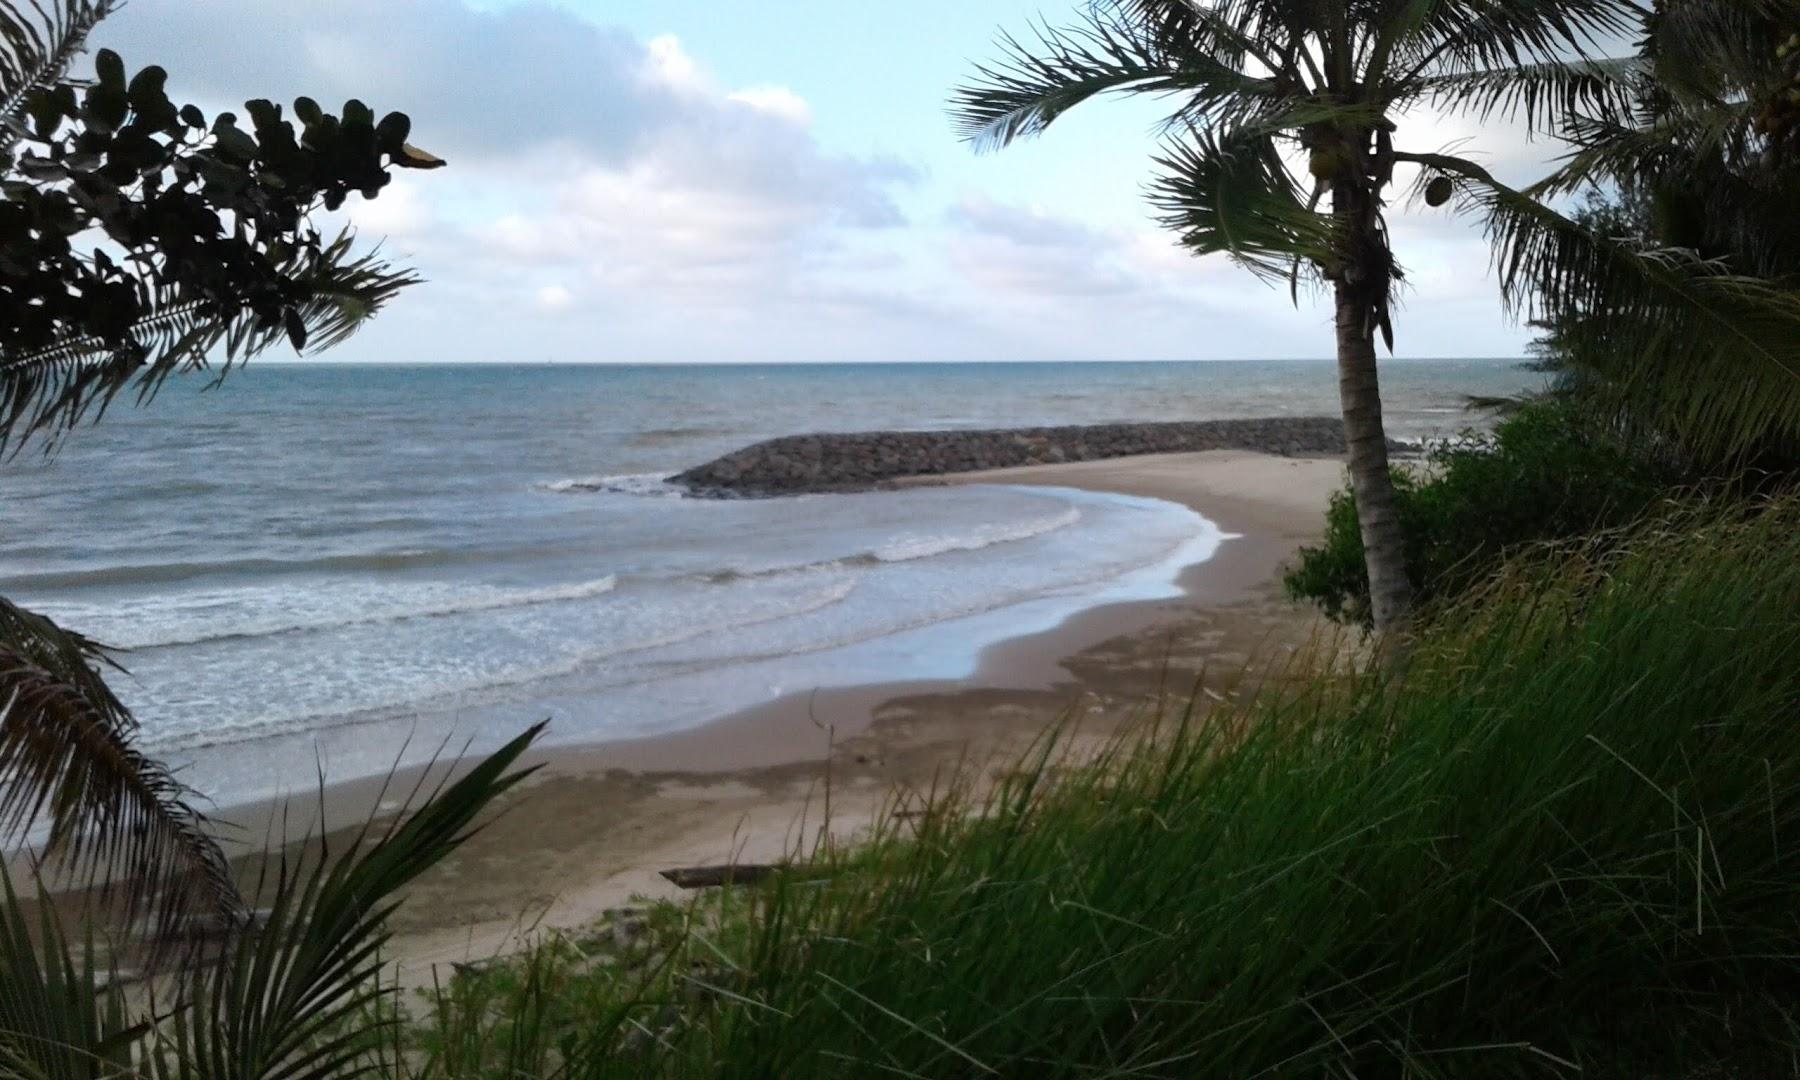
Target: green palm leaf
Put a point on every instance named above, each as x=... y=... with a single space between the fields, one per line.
x=292 y=1001
x=288 y=1000
x=67 y=760
x=1235 y=196
x=52 y=389
x=1714 y=356
x=61 y=1015
x=1463 y=37
x=1025 y=92
x=1705 y=51
x=1542 y=96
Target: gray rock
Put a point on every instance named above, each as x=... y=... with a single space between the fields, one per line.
x=860 y=461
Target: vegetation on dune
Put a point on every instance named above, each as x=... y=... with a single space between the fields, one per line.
x=1551 y=470
x=1560 y=846
x=1555 y=839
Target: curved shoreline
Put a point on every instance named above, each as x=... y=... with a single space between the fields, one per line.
x=596 y=825
x=591 y=830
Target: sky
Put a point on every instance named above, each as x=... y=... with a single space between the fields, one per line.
x=719 y=181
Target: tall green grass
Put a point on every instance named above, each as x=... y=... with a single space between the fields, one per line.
x=1565 y=839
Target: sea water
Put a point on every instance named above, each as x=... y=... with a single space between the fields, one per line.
x=318 y=564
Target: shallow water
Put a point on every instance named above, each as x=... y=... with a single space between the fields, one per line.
x=323 y=560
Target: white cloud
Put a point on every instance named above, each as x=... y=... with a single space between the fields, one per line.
x=670 y=65
x=776 y=101
x=554 y=298
x=620 y=163
x=1029 y=252
x=401 y=211
x=619 y=185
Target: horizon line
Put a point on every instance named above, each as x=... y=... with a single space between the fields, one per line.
x=320 y=362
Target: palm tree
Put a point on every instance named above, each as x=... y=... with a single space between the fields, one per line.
x=1281 y=153
x=1707 y=162
x=205 y=252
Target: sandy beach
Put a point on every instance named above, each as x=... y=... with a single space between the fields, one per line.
x=595 y=826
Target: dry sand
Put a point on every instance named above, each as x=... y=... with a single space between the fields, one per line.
x=594 y=827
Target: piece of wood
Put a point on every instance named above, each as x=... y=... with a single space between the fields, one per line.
x=702 y=877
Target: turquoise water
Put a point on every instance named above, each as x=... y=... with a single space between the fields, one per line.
x=321 y=561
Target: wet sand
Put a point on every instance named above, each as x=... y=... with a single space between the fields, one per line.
x=592 y=829
x=594 y=826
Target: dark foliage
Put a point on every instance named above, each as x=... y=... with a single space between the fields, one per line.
x=137 y=239
x=1705 y=169
x=301 y=998
x=1549 y=472
x=136 y=236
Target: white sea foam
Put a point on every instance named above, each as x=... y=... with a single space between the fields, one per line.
x=652 y=485
x=426 y=552
x=476 y=687
x=929 y=545
x=139 y=631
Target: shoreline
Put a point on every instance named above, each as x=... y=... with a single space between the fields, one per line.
x=594 y=826
x=1262 y=529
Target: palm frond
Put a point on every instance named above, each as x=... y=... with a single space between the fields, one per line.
x=1710 y=190
x=1452 y=39
x=62 y=1017
x=36 y=49
x=51 y=390
x=1543 y=96
x=71 y=657
x=1713 y=355
x=1608 y=152
x=1705 y=51
x=1228 y=37
x=292 y=999
x=1233 y=194
x=1028 y=90
x=67 y=758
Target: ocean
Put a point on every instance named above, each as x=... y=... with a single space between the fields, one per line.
x=316 y=565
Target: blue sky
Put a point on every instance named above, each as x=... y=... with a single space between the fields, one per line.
x=692 y=180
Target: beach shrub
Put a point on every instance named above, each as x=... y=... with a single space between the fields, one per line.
x=1562 y=845
x=1549 y=471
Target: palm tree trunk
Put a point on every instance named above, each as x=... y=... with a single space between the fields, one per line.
x=1384 y=545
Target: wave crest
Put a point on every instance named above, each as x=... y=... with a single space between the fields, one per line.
x=311 y=723
x=909 y=548
x=650 y=485
x=457 y=606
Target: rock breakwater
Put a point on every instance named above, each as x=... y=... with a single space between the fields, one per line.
x=858 y=461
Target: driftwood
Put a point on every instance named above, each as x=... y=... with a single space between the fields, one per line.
x=702 y=877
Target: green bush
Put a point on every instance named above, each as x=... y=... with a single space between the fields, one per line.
x=1547 y=472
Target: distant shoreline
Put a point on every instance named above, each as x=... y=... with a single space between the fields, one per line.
x=529 y=364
